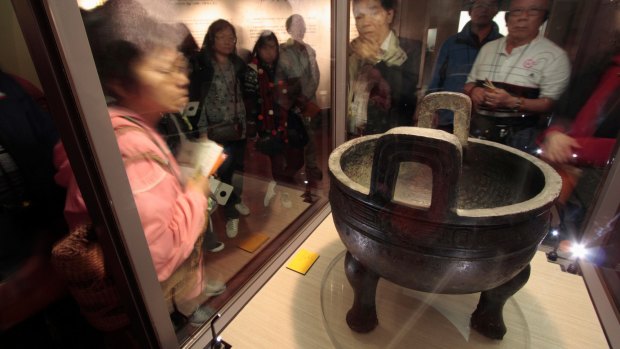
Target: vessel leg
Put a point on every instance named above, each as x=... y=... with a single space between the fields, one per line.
x=362 y=317
x=488 y=318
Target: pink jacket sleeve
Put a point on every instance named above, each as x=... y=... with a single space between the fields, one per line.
x=172 y=218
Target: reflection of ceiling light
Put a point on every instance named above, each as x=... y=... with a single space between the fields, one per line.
x=574 y=155
x=89 y=4
x=579 y=250
x=555 y=232
x=539 y=151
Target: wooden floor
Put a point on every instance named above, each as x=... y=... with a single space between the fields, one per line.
x=277 y=222
x=270 y=221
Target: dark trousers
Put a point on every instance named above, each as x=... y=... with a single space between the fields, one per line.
x=235 y=152
x=519 y=133
x=285 y=165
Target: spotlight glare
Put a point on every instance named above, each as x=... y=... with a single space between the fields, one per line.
x=539 y=151
x=579 y=250
x=90 y=4
x=555 y=232
x=574 y=155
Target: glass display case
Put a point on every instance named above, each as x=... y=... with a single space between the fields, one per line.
x=134 y=86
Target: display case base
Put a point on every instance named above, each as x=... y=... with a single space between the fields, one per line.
x=409 y=318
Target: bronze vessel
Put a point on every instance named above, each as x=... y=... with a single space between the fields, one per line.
x=435 y=213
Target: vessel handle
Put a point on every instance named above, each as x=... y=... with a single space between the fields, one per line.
x=439 y=150
x=459 y=103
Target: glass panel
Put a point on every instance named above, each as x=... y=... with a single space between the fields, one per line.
x=35 y=308
x=394 y=64
x=286 y=117
x=542 y=79
x=254 y=77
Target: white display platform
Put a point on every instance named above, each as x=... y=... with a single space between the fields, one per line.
x=553 y=310
x=412 y=319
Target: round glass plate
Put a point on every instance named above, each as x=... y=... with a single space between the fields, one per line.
x=412 y=319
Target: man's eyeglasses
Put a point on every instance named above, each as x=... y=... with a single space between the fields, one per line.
x=530 y=11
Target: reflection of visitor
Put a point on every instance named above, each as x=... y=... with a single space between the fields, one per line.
x=593 y=104
x=516 y=80
x=281 y=133
x=383 y=71
x=141 y=68
x=298 y=61
x=30 y=202
x=458 y=52
x=176 y=127
x=216 y=84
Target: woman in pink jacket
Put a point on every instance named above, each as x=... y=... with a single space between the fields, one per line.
x=142 y=70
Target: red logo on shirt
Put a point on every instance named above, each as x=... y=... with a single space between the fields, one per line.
x=528 y=63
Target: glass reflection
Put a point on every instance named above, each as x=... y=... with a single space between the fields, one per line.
x=518 y=84
x=145 y=76
x=383 y=71
x=457 y=54
x=255 y=88
x=389 y=69
x=549 y=87
x=36 y=310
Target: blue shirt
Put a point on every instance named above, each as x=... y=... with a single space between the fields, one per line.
x=455 y=59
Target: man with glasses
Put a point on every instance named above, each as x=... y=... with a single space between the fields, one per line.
x=459 y=51
x=516 y=80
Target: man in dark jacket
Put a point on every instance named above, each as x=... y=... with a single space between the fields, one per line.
x=459 y=51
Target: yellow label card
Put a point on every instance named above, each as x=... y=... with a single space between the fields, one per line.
x=253 y=242
x=302 y=261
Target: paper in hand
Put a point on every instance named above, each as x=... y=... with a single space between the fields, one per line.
x=204 y=156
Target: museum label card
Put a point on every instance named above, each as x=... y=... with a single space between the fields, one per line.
x=253 y=242
x=302 y=261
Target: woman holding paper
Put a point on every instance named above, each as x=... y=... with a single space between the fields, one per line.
x=141 y=69
x=216 y=85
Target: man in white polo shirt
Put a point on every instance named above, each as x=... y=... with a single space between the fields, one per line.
x=516 y=80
